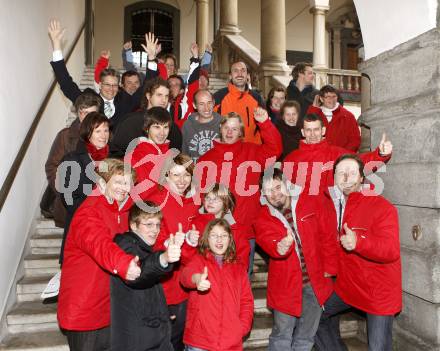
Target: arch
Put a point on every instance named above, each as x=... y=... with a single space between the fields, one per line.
x=158 y=6
x=386 y=24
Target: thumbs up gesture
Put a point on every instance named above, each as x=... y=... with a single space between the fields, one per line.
x=201 y=280
x=284 y=244
x=180 y=236
x=133 y=271
x=172 y=254
x=385 y=146
x=193 y=235
x=348 y=241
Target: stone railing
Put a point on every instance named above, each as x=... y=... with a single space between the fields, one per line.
x=344 y=80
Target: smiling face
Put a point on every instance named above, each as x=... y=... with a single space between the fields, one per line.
x=329 y=100
x=290 y=116
x=277 y=100
x=204 y=104
x=313 y=132
x=231 y=131
x=275 y=192
x=239 y=75
x=118 y=187
x=158 y=133
x=148 y=229
x=178 y=179
x=131 y=84
x=100 y=136
x=218 y=240
x=347 y=176
x=159 y=98
x=213 y=204
x=109 y=86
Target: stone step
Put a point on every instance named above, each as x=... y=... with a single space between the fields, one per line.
x=30 y=288
x=41 y=264
x=32 y=316
x=38 y=341
x=47 y=240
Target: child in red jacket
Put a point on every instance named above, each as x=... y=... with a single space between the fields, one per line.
x=220 y=305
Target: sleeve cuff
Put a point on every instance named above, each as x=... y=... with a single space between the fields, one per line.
x=57 y=55
x=152 y=65
x=189 y=241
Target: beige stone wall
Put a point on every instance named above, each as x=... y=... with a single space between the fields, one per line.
x=109 y=27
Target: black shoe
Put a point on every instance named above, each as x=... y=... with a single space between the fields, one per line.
x=49 y=300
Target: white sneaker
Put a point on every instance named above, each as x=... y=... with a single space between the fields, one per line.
x=52 y=287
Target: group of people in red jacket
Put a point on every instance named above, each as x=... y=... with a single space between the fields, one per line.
x=158 y=255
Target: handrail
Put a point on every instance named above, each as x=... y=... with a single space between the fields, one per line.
x=9 y=181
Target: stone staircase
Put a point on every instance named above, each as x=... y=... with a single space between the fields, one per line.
x=33 y=326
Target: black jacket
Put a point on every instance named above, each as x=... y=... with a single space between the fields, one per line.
x=132 y=127
x=124 y=102
x=304 y=97
x=290 y=137
x=78 y=179
x=139 y=312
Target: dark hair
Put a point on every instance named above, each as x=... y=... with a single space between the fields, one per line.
x=92 y=121
x=272 y=93
x=200 y=91
x=222 y=192
x=327 y=89
x=313 y=117
x=176 y=76
x=129 y=73
x=108 y=72
x=172 y=57
x=137 y=213
x=271 y=173
x=300 y=67
x=86 y=100
x=150 y=88
x=230 y=254
x=180 y=160
x=233 y=63
x=290 y=103
x=353 y=157
x=156 y=115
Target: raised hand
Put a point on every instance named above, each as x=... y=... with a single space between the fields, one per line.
x=385 y=146
x=105 y=54
x=172 y=254
x=194 y=48
x=193 y=235
x=128 y=45
x=260 y=114
x=348 y=241
x=179 y=238
x=56 y=34
x=133 y=271
x=151 y=46
x=316 y=101
x=201 y=280
x=284 y=244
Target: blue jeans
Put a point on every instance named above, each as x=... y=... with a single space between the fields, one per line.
x=380 y=328
x=293 y=333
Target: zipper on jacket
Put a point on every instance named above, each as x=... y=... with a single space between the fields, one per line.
x=119 y=219
x=247 y=111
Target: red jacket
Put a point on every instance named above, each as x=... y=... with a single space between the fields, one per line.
x=239 y=167
x=147 y=159
x=173 y=214
x=239 y=233
x=217 y=320
x=343 y=130
x=370 y=277
x=311 y=166
x=90 y=256
x=284 y=284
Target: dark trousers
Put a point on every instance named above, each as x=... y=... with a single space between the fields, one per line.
x=177 y=324
x=379 y=328
x=91 y=340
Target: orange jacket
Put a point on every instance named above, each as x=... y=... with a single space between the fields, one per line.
x=231 y=99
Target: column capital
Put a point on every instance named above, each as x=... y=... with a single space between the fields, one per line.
x=319 y=4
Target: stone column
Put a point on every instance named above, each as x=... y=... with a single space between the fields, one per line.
x=273 y=42
x=405 y=103
x=319 y=9
x=336 y=46
x=202 y=24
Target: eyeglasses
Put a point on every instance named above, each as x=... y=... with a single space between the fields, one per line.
x=107 y=85
x=215 y=237
x=212 y=199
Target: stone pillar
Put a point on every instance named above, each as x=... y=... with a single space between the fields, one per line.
x=202 y=24
x=336 y=47
x=229 y=17
x=319 y=9
x=405 y=103
x=273 y=42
